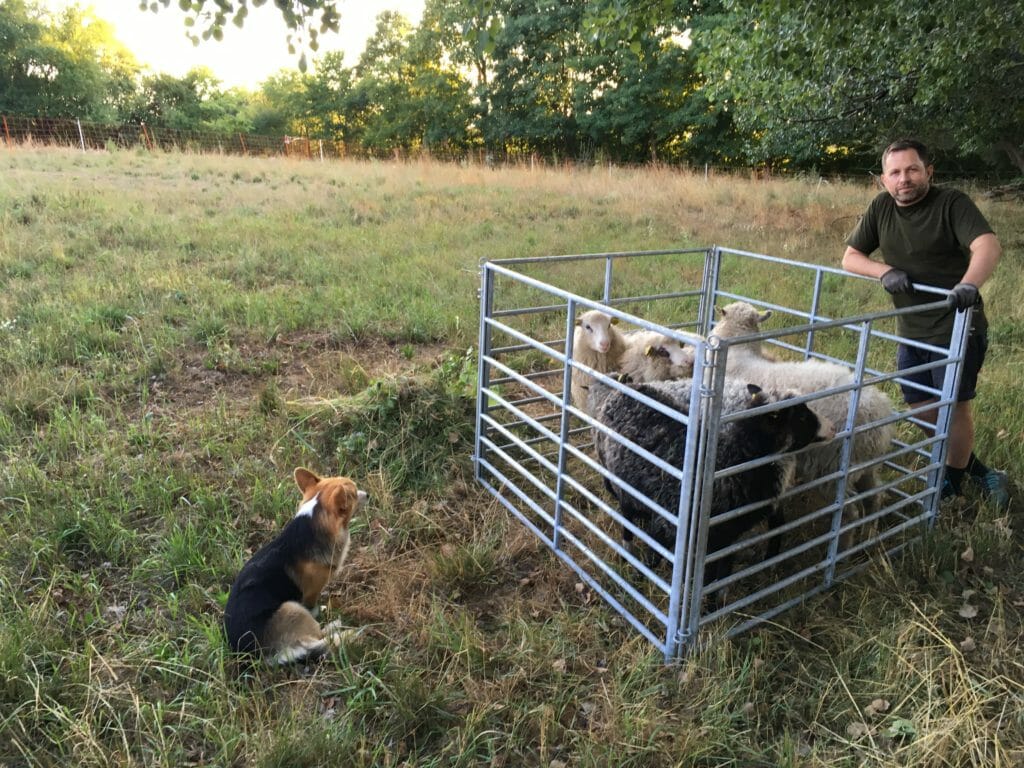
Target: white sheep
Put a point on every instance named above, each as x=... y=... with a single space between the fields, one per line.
x=644 y=356
x=746 y=361
x=652 y=356
x=596 y=342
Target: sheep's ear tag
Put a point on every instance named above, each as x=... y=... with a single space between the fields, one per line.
x=615 y=321
x=649 y=350
x=764 y=316
x=757 y=397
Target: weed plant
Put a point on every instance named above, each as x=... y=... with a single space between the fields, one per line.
x=178 y=332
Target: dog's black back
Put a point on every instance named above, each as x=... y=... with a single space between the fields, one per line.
x=264 y=584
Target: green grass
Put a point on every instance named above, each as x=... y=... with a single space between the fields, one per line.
x=178 y=332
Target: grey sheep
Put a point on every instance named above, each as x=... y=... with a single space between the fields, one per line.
x=764 y=434
x=804 y=377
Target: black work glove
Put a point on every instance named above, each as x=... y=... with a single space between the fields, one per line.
x=897 y=281
x=964 y=295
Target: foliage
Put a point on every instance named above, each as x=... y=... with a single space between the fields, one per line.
x=68 y=66
x=191 y=102
x=857 y=76
x=682 y=81
x=530 y=96
x=300 y=16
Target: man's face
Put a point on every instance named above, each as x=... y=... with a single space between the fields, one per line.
x=906 y=177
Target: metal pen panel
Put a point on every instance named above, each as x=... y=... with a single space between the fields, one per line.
x=534 y=450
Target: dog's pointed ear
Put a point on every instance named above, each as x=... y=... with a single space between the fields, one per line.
x=305 y=479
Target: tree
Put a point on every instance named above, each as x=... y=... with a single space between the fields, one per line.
x=100 y=74
x=67 y=66
x=853 y=76
x=193 y=102
x=326 y=93
x=641 y=97
x=405 y=96
x=530 y=97
x=278 y=108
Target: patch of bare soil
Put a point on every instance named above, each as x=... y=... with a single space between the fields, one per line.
x=300 y=365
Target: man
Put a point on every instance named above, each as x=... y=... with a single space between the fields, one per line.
x=932 y=236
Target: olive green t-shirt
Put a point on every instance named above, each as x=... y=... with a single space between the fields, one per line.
x=930 y=240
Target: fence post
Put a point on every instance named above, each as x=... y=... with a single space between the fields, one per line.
x=7 y=134
x=145 y=137
x=81 y=136
x=241 y=140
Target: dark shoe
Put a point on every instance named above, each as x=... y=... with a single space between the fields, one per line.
x=995 y=487
x=948 y=492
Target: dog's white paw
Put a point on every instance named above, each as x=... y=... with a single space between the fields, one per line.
x=336 y=634
x=300 y=652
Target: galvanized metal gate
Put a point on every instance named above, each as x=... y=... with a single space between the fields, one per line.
x=533 y=448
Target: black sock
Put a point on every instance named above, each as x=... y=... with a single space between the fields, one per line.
x=975 y=467
x=956 y=478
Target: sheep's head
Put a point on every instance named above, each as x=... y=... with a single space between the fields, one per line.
x=596 y=330
x=739 y=319
x=794 y=426
x=680 y=356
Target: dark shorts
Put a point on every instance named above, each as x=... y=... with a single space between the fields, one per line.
x=974 y=358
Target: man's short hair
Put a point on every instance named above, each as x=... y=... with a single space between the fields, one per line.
x=902 y=144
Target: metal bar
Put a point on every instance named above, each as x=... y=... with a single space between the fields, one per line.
x=815 y=304
x=676 y=636
x=846 y=454
x=950 y=388
x=710 y=414
x=563 y=438
x=590 y=256
x=483 y=355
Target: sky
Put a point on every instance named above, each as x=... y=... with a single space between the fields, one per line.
x=246 y=56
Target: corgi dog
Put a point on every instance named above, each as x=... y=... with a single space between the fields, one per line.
x=271 y=606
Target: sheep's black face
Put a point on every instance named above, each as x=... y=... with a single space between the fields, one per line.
x=797 y=426
x=787 y=429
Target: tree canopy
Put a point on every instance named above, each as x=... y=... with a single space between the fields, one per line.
x=765 y=82
x=851 y=76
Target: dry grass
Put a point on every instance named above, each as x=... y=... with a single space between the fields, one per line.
x=178 y=332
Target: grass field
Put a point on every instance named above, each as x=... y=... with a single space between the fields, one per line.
x=178 y=332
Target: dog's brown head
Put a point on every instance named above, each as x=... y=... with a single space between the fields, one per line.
x=330 y=501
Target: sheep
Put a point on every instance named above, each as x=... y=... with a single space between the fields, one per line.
x=804 y=377
x=642 y=355
x=652 y=356
x=596 y=342
x=739 y=441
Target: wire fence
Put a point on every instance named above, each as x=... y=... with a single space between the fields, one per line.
x=67 y=132
x=84 y=135
x=72 y=132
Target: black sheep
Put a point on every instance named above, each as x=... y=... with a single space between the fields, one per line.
x=740 y=441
